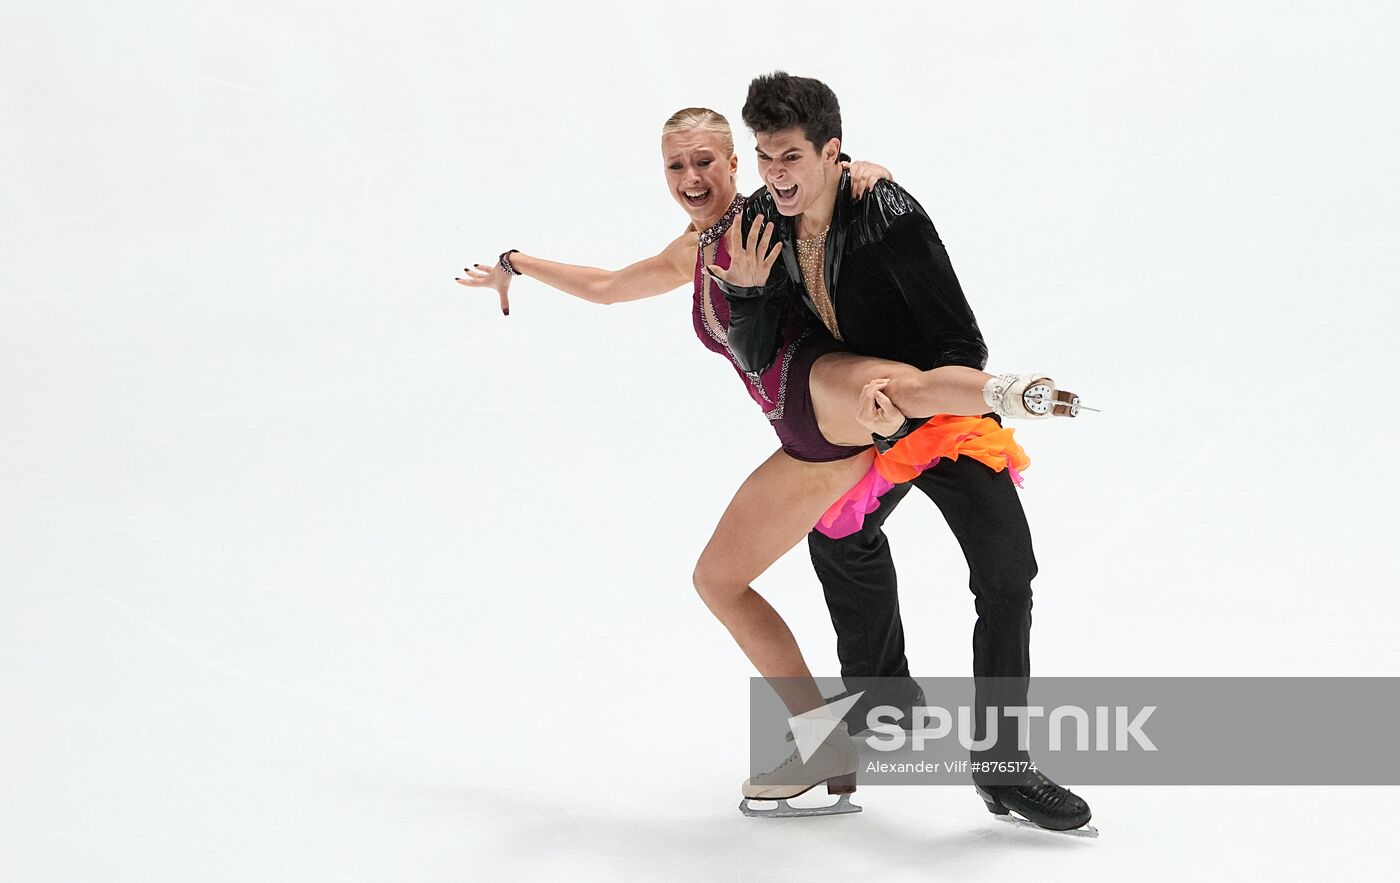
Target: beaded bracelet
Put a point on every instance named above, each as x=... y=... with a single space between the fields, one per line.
x=505 y=262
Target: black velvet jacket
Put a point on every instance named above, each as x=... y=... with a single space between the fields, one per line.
x=889 y=278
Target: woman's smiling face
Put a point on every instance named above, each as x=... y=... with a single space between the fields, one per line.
x=700 y=173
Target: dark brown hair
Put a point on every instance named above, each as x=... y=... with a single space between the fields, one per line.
x=779 y=101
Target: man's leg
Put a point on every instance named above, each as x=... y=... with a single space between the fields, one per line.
x=982 y=509
x=858 y=578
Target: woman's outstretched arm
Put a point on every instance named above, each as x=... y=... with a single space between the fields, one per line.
x=665 y=271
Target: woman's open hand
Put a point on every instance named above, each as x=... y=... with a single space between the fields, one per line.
x=864 y=175
x=493 y=276
x=877 y=413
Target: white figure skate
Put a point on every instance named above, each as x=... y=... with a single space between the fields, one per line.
x=1030 y=396
x=833 y=763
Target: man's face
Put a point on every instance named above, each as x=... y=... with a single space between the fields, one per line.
x=795 y=172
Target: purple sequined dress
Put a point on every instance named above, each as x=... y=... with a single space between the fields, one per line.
x=781 y=391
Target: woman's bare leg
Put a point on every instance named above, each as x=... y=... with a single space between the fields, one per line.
x=837 y=379
x=772 y=511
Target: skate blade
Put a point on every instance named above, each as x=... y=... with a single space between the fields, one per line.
x=785 y=810
x=1066 y=404
x=1087 y=831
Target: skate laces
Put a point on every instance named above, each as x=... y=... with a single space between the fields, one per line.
x=789 y=760
x=1046 y=792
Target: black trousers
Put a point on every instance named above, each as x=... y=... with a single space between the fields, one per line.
x=858 y=578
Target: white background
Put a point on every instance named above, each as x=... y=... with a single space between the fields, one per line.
x=313 y=567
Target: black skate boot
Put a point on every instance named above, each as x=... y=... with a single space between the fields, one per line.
x=1039 y=800
x=902 y=693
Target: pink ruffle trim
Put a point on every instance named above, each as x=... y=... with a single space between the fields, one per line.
x=847 y=515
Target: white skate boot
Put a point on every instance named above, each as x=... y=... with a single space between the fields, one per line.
x=832 y=763
x=1030 y=396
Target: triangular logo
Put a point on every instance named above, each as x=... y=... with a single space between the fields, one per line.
x=810 y=728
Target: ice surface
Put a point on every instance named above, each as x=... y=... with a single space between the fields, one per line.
x=313 y=567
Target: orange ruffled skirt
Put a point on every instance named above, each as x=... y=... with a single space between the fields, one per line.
x=944 y=435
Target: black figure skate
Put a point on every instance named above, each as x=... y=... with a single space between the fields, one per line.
x=1039 y=802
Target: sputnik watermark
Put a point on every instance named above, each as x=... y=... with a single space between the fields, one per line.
x=934 y=723
x=1099 y=731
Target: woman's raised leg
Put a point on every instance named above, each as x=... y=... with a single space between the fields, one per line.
x=772 y=511
x=837 y=380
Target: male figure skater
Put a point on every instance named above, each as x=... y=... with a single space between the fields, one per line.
x=877 y=276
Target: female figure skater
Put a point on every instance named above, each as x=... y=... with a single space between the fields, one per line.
x=823 y=402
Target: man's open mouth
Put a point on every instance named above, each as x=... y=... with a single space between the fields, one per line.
x=785 y=194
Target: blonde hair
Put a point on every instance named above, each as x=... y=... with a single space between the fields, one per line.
x=704 y=119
